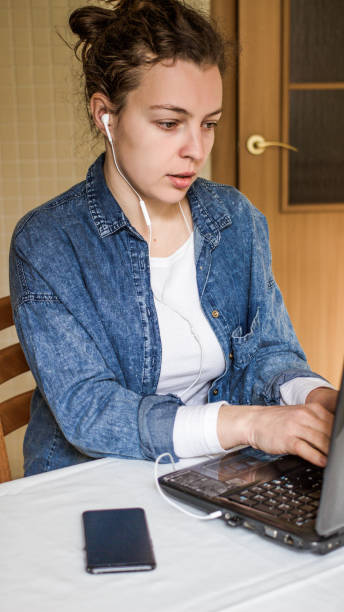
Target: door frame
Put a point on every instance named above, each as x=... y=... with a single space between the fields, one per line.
x=224 y=155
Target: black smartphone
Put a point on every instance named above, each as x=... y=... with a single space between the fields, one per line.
x=117 y=540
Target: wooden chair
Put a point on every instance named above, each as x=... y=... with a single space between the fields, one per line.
x=14 y=412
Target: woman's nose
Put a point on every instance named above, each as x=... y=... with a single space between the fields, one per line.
x=193 y=145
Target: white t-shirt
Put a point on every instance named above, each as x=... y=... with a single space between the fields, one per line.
x=191 y=353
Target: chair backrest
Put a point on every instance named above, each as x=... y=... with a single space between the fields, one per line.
x=14 y=412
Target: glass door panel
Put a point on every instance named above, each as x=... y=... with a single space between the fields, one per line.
x=316 y=40
x=313 y=105
x=316 y=171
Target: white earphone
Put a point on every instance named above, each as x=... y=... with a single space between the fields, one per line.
x=105 y=121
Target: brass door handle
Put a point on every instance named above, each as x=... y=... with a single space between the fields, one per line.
x=257 y=144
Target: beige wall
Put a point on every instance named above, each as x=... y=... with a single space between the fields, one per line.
x=45 y=145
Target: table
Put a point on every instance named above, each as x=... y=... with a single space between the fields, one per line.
x=202 y=566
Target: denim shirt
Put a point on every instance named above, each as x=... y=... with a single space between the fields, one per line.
x=85 y=316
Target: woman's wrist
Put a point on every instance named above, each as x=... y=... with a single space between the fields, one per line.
x=235 y=425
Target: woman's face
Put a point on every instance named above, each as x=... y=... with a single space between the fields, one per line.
x=165 y=132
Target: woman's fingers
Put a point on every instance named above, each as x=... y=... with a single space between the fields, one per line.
x=300 y=430
x=311 y=438
x=318 y=439
x=309 y=453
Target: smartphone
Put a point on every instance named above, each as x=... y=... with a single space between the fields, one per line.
x=117 y=540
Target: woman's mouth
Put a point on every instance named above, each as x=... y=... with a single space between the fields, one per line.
x=181 y=181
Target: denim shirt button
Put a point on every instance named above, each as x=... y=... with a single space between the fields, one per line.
x=215 y=391
x=215 y=314
x=230 y=355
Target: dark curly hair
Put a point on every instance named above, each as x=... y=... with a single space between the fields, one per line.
x=116 y=43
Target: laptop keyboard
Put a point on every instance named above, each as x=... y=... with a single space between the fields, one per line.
x=294 y=497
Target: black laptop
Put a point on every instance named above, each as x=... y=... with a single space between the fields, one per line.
x=283 y=498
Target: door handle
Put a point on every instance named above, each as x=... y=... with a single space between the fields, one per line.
x=257 y=144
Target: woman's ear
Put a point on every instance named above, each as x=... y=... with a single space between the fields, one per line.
x=99 y=106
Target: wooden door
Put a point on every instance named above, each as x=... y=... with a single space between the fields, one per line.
x=307 y=235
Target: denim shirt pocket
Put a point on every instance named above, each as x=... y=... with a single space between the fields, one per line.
x=245 y=346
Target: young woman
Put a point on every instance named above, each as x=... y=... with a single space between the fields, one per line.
x=143 y=297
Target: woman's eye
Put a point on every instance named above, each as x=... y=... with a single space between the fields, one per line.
x=210 y=125
x=167 y=125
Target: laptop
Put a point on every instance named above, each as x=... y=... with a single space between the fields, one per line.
x=280 y=497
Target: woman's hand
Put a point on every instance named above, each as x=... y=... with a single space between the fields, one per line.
x=324 y=396
x=303 y=430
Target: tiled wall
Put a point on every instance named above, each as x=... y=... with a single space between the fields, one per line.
x=45 y=143
x=43 y=150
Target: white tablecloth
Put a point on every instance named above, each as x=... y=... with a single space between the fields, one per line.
x=202 y=566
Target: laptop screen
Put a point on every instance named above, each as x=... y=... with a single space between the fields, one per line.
x=330 y=516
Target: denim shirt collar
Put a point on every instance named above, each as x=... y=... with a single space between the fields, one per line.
x=208 y=210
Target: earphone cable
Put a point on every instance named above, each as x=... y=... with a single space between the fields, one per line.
x=105 y=119
x=209 y=517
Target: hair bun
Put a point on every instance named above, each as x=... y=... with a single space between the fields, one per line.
x=130 y=4
x=89 y=21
